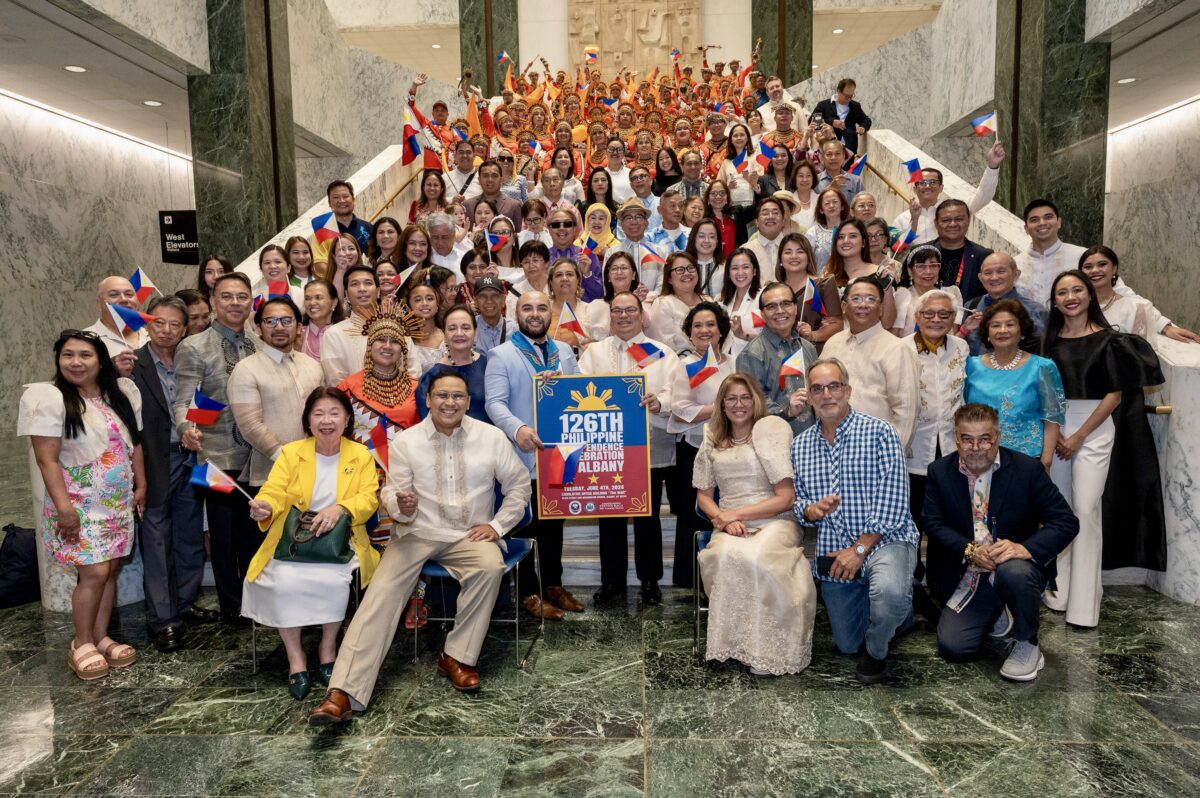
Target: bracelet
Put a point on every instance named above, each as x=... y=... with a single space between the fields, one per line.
x=969 y=552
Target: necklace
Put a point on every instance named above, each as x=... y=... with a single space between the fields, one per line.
x=1111 y=300
x=1010 y=365
x=740 y=441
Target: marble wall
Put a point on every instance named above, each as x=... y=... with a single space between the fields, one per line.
x=787 y=51
x=542 y=30
x=728 y=23
x=351 y=14
x=1150 y=210
x=1108 y=19
x=172 y=31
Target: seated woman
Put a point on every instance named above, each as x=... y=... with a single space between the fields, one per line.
x=84 y=428
x=330 y=474
x=762 y=600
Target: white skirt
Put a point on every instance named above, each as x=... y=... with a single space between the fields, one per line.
x=288 y=594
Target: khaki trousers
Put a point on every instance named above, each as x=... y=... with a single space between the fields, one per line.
x=478 y=567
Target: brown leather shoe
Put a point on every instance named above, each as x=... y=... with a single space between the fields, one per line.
x=564 y=600
x=463 y=677
x=334 y=709
x=541 y=609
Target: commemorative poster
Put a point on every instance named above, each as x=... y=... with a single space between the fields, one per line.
x=596 y=460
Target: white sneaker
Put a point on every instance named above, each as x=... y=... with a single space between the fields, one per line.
x=1003 y=625
x=1023 y=663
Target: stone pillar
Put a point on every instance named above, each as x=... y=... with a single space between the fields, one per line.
x=786 y=29
x=485 y=28
x=1052 y=109
x=243 y=144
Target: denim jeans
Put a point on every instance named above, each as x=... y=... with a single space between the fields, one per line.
x=874 y=605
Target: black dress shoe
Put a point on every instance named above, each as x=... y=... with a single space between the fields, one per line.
x=651 y=594
x=197 y=616
x=609 y=595
x=168 y=639
x=870 y=670
x=234 y=618
x=299 y=685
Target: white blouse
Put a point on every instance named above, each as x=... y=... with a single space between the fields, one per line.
x=687 y=402
x=743 y=311
x=940 y=385
x=43 y=413
x=666 y=321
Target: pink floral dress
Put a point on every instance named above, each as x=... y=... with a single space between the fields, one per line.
x=102 y=493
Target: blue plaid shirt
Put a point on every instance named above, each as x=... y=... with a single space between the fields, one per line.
x=865 y=467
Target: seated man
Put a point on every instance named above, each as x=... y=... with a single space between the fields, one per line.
x=999 y=274
x=440 y=490
x=996 y=525
x=852 y=483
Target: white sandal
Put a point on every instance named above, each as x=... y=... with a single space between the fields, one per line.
x=87 y=662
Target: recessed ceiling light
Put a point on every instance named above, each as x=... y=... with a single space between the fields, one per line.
x=436 y=46
x=73 y=68
x=836 y=31
x=152 y=103
x=1126 y=81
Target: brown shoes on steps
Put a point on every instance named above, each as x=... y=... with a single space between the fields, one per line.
x=564 y=600
x=464 y=678
x=334 y=709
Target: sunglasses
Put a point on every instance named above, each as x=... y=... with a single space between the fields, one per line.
x=560 y=225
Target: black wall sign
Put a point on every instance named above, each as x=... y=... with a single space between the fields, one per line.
x=177 y=234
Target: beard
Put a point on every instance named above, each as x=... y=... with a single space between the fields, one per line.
x=533 y=327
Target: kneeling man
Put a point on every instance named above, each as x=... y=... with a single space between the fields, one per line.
x=441 y=491
x=995 y=523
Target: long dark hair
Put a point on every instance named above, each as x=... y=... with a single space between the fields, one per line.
x=373 y=251
x=226 y=268
x=728 y=289
x=1055 y=321
x=718 y=255
x=110 y=391
x=590 y=195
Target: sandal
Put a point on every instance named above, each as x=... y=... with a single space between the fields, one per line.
x=417 y=615
x=118 y=655
x=87 y=662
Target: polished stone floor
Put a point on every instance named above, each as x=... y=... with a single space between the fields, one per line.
x=613 y=703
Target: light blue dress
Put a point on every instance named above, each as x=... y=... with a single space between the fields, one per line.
x=1025 y=398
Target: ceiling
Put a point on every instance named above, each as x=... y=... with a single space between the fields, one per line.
x=413 y=47
x=863 y=30
x=1164 y=55
x=37 y=40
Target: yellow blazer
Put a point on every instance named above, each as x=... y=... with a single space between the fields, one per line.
x=290 y=484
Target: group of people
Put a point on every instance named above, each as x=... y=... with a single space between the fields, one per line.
x=376 y=386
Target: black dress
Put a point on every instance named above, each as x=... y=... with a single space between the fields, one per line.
x=1092 y=366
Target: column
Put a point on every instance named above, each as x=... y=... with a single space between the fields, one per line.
x=786 y=29
x=1052 y=107
x=243 y=145
x=485 y=28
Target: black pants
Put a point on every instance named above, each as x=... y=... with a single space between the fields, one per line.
x=1018 y=586
x=647 y=541
x=172 y=539
x=234 y=539
x=686 y=521
x=549 y=537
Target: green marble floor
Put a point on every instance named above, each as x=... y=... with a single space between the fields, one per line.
x=613 y=704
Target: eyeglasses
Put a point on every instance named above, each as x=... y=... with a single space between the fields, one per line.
x=624 y=312
x=863 y=300
x=777 y=306
x=279 y=321
x=928 y=183
x=87 y=335
x=502 y=159
x=876 y=236
x=448 y=396
x=982 y=442
x=739 y=400
x=689 y=269
x=930 y=315
x=829 y=388
x=561 y=225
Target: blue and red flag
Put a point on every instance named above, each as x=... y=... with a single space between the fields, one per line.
x=644 y=354
x=142 y=284
x=207 y=475
x=651 y=257
x=914 y=170
x=609 y=101
x=765 y=154
x=377 y=442
x=495 y=241
x=412 y=147
x=590 y=244
x=791 y=367
x=703 y=368
x=275 y=288
x=325 y=227
x=859 y=164
x=564 y=462
x=503 y=56
x=984 y=124
x=741 y=162
x=567 y=320
x=127 y=317
x=203 y=410
x=902 y=243
x=812 y=297
x=591 y=53
x=675 y=54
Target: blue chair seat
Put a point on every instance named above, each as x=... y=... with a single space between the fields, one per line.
x=518 y=549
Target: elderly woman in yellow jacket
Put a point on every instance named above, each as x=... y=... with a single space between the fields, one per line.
x=327 y=477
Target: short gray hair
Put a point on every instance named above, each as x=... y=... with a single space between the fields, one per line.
x=827 y=361
x=935 y=293
x=438 y=220
x=170 y=301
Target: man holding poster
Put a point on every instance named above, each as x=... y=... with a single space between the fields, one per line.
x=629 y=351
x=509 y=385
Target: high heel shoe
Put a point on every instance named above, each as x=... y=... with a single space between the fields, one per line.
x=299 y=685
x=324 y=673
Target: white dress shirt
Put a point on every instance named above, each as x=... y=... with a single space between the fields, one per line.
x=618 y=179
x=1038 y=269
x=883 y=375
x=926 y=230
x=942 y=376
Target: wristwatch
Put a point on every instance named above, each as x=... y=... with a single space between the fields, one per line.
x=860 y=550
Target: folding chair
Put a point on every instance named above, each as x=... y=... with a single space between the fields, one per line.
x=701 y=539
x=355 y=591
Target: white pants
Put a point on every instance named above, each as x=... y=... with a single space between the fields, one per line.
x=1081 y=482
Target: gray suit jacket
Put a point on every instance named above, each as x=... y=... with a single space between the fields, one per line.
x=508 y=385
x=156 y=428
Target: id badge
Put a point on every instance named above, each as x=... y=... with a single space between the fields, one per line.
x=965 y=592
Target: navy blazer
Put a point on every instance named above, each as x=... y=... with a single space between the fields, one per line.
x=1024 y=505
x=972 y=259
x=156 y=428
x=856 y=116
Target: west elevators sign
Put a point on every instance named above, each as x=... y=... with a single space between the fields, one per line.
x=178 y=238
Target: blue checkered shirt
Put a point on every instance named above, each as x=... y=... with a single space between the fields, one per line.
x=865 y=467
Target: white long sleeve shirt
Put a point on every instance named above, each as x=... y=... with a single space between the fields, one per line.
x=883 y=375
x=926 y=230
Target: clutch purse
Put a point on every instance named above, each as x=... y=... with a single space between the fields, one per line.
x=300 y=544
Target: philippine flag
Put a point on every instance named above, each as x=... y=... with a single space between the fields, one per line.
x=765 y=154
x=590 y=244
x=741 y=162
x=812 y=297
x=650 y=257
x=859 y=164
x=495 y=241
x=503 y=56
x=126 y=317
x=675 y=54
x=564 y=462
x=609 y=101
x=902 y=243
x=703 y=368
x=644 y=354
x=756 y=320
x=412 y=147
x=142 y=284
x=591 y=53
x=377 y=442
x=567 y=320
x=791 y=367
x=207 y=475
x=204 y=410
x=325 y=227
x=535 y=148
x=984 y=124
x=914 y=170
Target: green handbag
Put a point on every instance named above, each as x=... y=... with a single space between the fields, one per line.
x=299 y=544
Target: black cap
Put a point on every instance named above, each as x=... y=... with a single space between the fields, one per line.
x=493 y=283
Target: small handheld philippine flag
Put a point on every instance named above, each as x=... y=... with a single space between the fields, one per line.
x=204 y=410
x=567 y=320
x=644 y=354
x=207 y=475
x=127 y=317
x=902 y=243
x=325 y=227
x=650 y=257
x=609 y=101
x=765 y=154
x=412 y=147
x=756 y=320
x=914 y=170
x=741 y=162
x=591 y=53
x=564 y=462
x=703 y=368
x=142 y=285
x=791 y=367
x=535 y=147
x=859 y=164
x=377 y=442
x=590 y=244
x=495 y=241
x=675 y=54
x=812 y=297
x=985 y=124
x=503 y=56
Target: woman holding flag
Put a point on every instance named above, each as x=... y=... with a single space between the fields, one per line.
x=739 y=299
x=569 y=319
x=818 y=304
x=84 y=428
x=680 y=293
x=739 y=169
